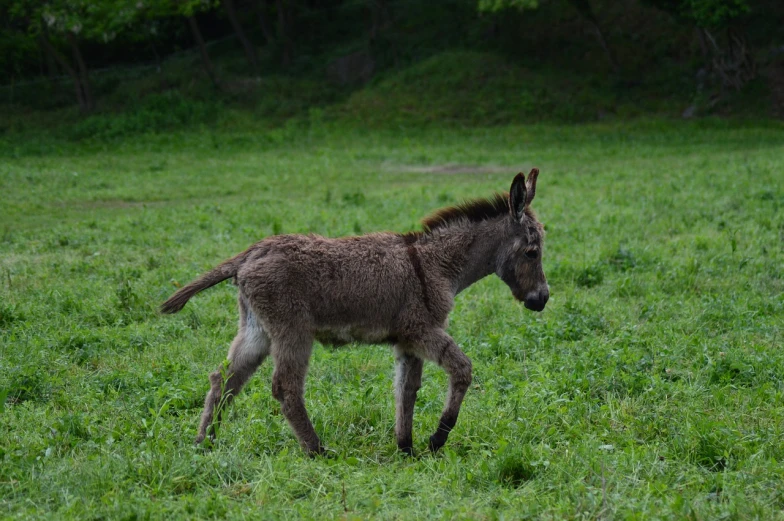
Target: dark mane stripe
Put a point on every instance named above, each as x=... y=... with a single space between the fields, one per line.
x=475 y=210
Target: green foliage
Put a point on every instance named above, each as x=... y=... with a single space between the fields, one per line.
x=474 y=88
x=16 y=49
x=152 y=12
x=156 y=113
x=704 y=13
x=524 y=60
x=493 y=6
x=162 y=8
x=716 y=13
x=99 y=20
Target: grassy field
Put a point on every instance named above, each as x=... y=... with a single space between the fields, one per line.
x=651 y=387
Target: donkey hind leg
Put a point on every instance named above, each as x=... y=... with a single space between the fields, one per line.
x=248 y=350
x=439 y=347
x=408 y=380
x=288 y=387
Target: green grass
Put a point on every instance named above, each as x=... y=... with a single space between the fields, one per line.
x=651 y=386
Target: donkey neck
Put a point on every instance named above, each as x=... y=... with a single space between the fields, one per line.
x=464 y=252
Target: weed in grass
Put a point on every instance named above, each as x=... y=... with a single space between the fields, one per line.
x=516 y=466
x=354 y=198
x=577 y=323
x=130 y=304
x=590 y=276
x=28 y=383
x=730 y=370
x=622 y=259
x=9 y=314
x=84 y=348
x=713 y=449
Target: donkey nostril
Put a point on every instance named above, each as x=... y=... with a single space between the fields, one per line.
x=536 y=300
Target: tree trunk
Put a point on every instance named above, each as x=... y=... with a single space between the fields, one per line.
x=261 y=14
x=375 y=20
x=51 y=65
x=734 y=64
x=250 y=51
x=57 y=55
x=283 y=32
x=157 y=56
x=586 y=11
x=205 y=58
x=380 y=41
x=84 y=79
x=608 y=52
x=703 y=46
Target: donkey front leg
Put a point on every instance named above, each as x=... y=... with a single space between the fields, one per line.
x=408 y=380
x=248 y=350
x=439 y=347
x=288 y=387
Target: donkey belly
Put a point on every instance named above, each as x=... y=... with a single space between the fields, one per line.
x=340 y=336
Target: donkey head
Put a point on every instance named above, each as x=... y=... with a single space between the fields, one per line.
x=519 y=262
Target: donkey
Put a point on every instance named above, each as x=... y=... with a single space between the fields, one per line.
x=383 y=288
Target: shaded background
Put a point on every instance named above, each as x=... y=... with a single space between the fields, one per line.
x=115 y=67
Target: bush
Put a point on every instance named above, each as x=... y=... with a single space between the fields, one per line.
x=155 y=113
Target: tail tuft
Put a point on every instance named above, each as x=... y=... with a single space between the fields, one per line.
x=177 y=301
x=223 y=271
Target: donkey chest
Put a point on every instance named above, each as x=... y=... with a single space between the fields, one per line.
x=339 y=336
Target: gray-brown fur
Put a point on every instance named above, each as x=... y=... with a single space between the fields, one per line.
x=377 y=288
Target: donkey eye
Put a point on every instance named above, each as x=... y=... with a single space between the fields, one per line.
x=531 y=254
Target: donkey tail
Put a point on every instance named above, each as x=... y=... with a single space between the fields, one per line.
x=221 y=272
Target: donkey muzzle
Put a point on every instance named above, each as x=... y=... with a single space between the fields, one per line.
x=536 y=300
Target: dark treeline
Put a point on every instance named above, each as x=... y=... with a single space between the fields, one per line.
x=723 y=41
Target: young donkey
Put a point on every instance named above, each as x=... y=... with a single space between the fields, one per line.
x=377 y=288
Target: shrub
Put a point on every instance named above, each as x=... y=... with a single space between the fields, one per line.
x=155 y=113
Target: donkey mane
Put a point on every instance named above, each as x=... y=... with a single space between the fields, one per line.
x=474 y=210
x=471 y=210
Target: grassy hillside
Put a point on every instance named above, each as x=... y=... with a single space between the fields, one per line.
x=453 y=88
x=651 y=386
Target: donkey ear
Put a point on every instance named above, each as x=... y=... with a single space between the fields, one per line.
x=517 y=197
x=530 y=186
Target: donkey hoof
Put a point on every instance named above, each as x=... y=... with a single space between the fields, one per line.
x=204 y=442
x=436 y=442
x=318 y=451
x=408 y=450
